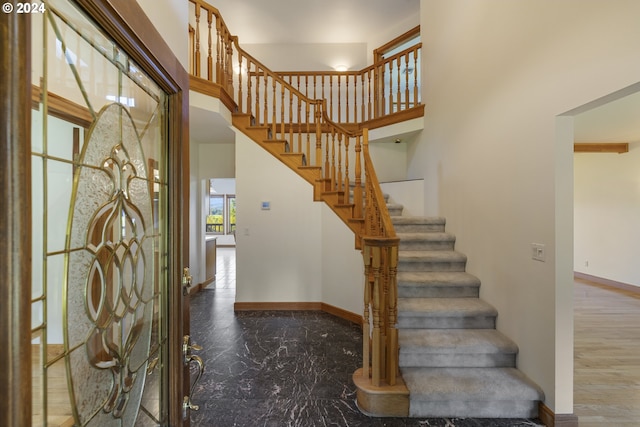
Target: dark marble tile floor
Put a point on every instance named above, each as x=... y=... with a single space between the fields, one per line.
x=284 y=369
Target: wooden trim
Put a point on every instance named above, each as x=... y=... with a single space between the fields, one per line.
x=550 y=419
x=342 y=313
x=62 y=108
x=377 y=53
x=299 y=306
x=15 y=220
x=389 y=119
x=271 y=306
x=602 y=282
x=596 y=147
x=206 y=87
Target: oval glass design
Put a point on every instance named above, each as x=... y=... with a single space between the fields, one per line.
x=110 y=288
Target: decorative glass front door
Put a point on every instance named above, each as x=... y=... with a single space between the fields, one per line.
x=100 y=229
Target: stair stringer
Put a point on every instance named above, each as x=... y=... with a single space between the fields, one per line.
x=312 y=174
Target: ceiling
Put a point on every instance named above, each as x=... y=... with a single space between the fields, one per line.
x=312 y=21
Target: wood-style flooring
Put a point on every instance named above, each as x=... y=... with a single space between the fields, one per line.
x=606 y=356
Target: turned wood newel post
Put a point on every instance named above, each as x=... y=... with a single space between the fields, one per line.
x=15 y=217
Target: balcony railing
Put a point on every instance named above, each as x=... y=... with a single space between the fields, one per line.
x=390 y=86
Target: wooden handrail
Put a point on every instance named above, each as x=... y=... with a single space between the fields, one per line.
x=307 y=127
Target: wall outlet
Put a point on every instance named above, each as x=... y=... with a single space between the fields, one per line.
x=538 y=252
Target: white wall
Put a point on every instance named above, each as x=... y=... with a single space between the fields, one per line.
x=216 y=160
x=277 y=251
x=309 y=57
x=497 y=159
x=298 y=251
x=342 y=265
x=607 y=208
x=408 y=193
x=171 y=18
x=387 y=34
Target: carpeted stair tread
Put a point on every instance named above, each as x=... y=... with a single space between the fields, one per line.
x=437 y=284
x=428 y=341
x=415 y=224
x=456 y=348
x=436 y=235
x=444 y=307
x=437 y=278
x=445 y=313
x=394 y=209
x=400 y=220
x=436 y=240
x=471 y=392
x=432 y=256
x=394 y=206
x=434 y=260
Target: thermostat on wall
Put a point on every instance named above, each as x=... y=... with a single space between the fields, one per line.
x=266 y=206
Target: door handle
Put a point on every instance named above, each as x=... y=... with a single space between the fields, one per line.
x=189 y=358
x=187 y=280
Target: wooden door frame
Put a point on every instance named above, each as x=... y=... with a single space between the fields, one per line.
x=126 y=23
x=15 y=219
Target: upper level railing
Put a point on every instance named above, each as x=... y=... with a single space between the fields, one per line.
x=390 y=86
x=307 y=129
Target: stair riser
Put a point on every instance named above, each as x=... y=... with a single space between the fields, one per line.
x=426 y=265
x=426 y=322
x=472 y=409
x=453 y=360
x=426 y=245
x=395 y=211
x=438 y=291
x=418 y=228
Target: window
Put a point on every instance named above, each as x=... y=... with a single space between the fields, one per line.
x=221 y=218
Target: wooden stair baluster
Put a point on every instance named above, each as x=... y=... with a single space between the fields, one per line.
x=318 y=119
x=357 y=189
x=299 y=125
x=265 y=116
x=415 y=77
x=390 y=88
x=346 y=107
x=291 y=119
x=249 y=89
x=197 y=55
x=399 y=89
x=333 y=161
x=406 y=85
x=308 y=131
x=273 y=109
x=331 y=95
x=209 y=47
x=257 y=110
x=240 y=96
x=339 y=183
x=339 y=118
x=282 y=104
x=345 y=187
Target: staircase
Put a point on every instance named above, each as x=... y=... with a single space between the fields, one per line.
x=452 y=359
x=453 y=362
